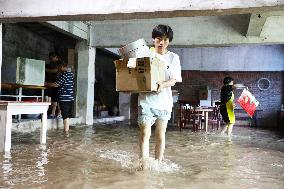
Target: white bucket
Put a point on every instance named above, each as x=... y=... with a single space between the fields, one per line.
x=130 y=50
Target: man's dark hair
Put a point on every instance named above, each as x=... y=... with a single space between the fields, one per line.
x=163 y=30
x=52 y=54
x=227 y=80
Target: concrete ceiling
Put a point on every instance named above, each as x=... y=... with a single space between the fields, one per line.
x=257 y=28
x=195 y=23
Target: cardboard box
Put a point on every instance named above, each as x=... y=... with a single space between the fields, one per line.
x=143 y=78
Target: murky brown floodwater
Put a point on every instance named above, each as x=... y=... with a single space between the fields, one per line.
x=106 y=157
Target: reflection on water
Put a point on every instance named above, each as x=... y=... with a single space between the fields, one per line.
x=7 y=168
x=41 y=161
x=107 y=157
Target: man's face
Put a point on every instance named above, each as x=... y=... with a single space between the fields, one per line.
x=161 y=44
x=61 y=68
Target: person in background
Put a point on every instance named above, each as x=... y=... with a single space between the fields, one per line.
x=227 y=104
x=156 y=107
x=65 y=85
x=50 y=77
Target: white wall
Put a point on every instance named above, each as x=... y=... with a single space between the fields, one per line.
x=237 y=58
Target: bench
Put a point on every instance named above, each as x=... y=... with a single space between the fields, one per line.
x=9 y=108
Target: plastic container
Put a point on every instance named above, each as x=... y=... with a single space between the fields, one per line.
x=130 y=50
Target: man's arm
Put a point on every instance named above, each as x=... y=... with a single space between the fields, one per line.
x=51 y=70
x=239 y=86
x=165 y=84
x=59 y=81
x=51 y=85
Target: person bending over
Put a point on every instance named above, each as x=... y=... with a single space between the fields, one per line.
x=65 y=85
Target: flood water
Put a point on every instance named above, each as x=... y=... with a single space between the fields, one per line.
x=105 y=156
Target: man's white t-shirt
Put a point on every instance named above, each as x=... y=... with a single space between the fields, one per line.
x=164 y=99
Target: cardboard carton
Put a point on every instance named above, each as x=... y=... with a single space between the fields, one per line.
x=143 y=78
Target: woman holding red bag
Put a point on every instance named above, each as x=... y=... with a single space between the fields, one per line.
x=227 y=105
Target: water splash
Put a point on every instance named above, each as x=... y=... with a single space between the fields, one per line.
x=276 y=165
x=166 y=166
x=215 y=144
x=123 y=157
x=131 y=161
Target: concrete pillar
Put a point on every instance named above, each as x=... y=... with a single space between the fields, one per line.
x=0 y=53
x=85 y=82
x=124 y=105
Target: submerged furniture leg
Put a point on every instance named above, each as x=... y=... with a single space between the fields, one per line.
x=20 y=99
x=206 y=121
x=2 y=129
x=43 y=128
x=42 y=95
x=5 y=130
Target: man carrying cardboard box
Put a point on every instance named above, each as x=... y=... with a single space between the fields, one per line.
x=156 y=107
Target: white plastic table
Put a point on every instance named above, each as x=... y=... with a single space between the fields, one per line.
x=9 y=108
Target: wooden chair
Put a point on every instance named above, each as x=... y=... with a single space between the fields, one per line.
x=195 y=119
x=215 y=119
x=188 y=117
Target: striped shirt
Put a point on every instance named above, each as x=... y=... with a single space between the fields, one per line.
x=65 y=82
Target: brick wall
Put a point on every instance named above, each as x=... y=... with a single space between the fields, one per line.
x=270 y=100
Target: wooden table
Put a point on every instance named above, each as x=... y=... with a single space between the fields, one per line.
x=9 y=108
x=20 y=88
x=186 y=105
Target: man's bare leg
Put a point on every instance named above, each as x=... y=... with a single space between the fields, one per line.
x=59 y=110
x=224 y=129
x=144 y=137
x=66 y=124
x=53 y=108
x=230 y=129
x=160 y=139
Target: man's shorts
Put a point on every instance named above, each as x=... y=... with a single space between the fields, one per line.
x=66 y=108
x=149 y=115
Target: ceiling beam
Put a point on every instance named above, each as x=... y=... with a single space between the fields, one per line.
x=257 y=21
x=78 y=30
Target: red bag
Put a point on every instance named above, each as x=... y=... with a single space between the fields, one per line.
x=248 y=102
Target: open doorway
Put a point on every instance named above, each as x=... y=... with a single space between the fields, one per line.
x=106 y=98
